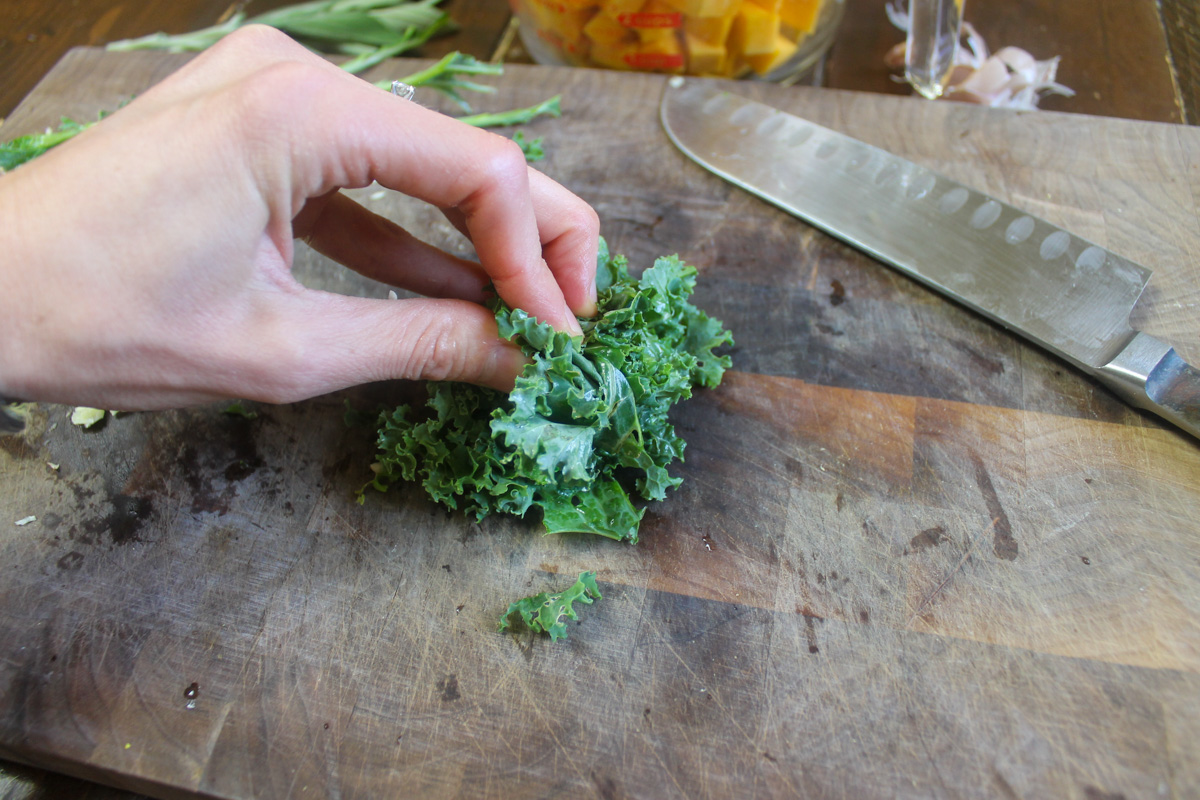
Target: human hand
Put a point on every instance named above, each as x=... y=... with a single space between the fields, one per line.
x=146 y=264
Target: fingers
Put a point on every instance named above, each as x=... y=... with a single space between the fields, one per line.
x=324 y=342
x=352 y=133
x=536 y=241
x=570 y=235
x=232 y=58
x=484 y=178
x=362 y=240
x=569 y=232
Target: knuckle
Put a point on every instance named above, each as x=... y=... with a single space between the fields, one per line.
x=251 y=45
x=498 y=167
x=444 y=340
x=274 y=89
x=436 y=354
x=261 y=109
x=504 y=158
x=259 y=38
x=584 y=217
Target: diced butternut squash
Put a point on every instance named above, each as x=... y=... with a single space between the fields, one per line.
x=712 y=30
x=729 y=38
x=664 y=55
x=705 y=58
x=654 y=23
x=766 y=62
x=560 y=21
x=703 y=8
x=615 y=8
x=660 y=12
x=604 y=30
x=653 y=37
x=754 y=32
x=800 y=14
x=613 y=56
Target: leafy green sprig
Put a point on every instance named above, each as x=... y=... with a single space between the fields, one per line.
x=335 y=26
x=532 y=148
x=586 y=421
x=16 y=152
x=517 y=116
x=547 y=613
x=444 y=76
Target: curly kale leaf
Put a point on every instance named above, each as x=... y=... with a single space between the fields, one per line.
x=587 y=420
x=544 y=613
x=16 y=152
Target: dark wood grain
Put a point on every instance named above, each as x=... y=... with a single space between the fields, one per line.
x=1181 y=19
x=1117 y=55
x=35 y=34
x=955 y=568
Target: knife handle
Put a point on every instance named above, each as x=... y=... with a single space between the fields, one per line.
x=1149 y=374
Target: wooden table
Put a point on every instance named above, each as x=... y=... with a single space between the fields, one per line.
x=1136 y=59
x=837 y=604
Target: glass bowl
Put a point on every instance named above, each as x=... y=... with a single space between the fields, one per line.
x=775 y=40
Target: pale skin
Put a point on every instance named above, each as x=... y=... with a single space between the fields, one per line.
x=146 y=264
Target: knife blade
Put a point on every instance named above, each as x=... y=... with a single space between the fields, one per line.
x=1059 y=291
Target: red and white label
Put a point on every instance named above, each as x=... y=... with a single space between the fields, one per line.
x=642 y=19
x=654 y=60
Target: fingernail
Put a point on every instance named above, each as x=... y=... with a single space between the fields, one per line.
x=507 y=363
x=592 y=300
x=573 y=326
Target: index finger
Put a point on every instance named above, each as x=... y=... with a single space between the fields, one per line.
x=351 y=133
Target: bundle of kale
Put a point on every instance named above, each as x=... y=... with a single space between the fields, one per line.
x=587 y=419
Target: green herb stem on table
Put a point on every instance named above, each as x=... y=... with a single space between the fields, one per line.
x=371 y=31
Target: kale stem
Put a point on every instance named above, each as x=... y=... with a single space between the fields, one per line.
x=183 y=42
x=517 y=116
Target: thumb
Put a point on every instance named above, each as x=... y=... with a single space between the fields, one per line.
x=344 y=341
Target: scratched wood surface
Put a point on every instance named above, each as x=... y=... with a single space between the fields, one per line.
x=911 y=557
x=1136 y=60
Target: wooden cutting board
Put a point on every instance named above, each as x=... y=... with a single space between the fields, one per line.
x=911 y=556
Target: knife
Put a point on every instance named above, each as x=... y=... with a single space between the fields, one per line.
x=1063 y=293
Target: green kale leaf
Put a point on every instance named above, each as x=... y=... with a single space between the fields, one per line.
x=587 y=421
x=532 y=148
x=17 y=151
x=543 y=613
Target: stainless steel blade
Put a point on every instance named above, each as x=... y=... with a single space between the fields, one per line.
x=1062 y=292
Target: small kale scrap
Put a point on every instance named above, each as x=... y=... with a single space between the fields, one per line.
x=586 y=419
x=17 y=151
x=543 y=612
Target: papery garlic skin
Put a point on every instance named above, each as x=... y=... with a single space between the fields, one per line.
x=1009 y=78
